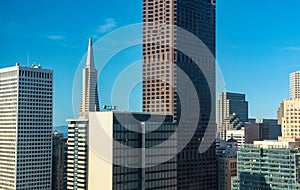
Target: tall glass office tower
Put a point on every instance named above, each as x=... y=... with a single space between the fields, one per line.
x=163 y=58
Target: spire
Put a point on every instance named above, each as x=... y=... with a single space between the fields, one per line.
x=89 y=98
x=90 y=42
x=90 y=55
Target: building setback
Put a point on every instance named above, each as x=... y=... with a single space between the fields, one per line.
x=232 y=103
x=26 y=110
x=233 y=122
x=161 y=85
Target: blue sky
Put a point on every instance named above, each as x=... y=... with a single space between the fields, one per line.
x=258 y=44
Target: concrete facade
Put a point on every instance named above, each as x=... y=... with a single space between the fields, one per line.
x=26 y=110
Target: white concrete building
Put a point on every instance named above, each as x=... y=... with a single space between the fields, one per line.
x=26 y=113
x=238 y=135
x=295 y=85
x=77 y=153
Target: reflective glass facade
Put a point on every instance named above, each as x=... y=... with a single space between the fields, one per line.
x=163 y=57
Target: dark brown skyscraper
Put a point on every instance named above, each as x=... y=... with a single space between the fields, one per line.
x=164 y=55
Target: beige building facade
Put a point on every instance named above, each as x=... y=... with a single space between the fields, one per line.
x=289 y=118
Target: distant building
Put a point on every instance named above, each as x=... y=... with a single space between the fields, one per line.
x=227 y=165
x=232 y=103
x=252 y=132
x=59 y=162
x=238 y=135
x=26 y=110
x=78 y=128
x=266 y=129
x=220 y=145
x=268 y=165
x=251 y=120
x=120 y=155
x=280 y=113
x=288 y=118
x=269 y=129
x=295 y=85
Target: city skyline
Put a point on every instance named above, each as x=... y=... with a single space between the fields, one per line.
x=256 y=52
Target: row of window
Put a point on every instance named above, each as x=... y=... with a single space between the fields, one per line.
x=33 y=74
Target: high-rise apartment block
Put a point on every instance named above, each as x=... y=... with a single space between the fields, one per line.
x=164 y=61
x=78 y=128
x=132 y=151
x=268 y=165
x=26 y=113
x=295 y=85
x=232 y=103
x=77 y=154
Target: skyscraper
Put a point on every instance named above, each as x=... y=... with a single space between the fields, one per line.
x=295 y=85
x=231 y=103
x=78 y=128
x=162 y=60
x=89 y=99
x=26 y=113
